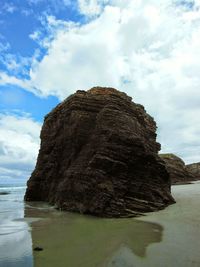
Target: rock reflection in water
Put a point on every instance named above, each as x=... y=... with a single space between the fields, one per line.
x=73 y=240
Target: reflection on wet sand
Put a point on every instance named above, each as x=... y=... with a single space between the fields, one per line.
x=74 y=240
x=15 y=238
x=71 y=240
x=15 y=249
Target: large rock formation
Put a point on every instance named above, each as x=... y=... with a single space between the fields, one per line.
x=194 y=168
x=179 y=173
x=99 y=156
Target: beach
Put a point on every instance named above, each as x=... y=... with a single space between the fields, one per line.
x=170 y=237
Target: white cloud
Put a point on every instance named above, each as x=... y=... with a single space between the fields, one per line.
x=6 y=79
x=91 y=7
x=19 y=144
x=150 y=49
x=15 y=63
x=35 y=36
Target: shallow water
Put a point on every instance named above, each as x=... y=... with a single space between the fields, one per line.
x=15 y=237
x=167 y=238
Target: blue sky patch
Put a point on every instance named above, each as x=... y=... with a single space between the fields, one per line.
x=18 y=20
x=13 y=99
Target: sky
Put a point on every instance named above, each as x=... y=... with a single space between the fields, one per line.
x=51 y=48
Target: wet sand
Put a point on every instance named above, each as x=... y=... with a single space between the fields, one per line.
x=181 y=236
x=75 y=240
x=167 y=238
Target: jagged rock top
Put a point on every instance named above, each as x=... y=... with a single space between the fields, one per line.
x=99 y=156
x=108 y=91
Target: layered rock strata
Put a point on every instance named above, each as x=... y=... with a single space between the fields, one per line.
x=194 y=168
x=179 y=172
x=99 y=156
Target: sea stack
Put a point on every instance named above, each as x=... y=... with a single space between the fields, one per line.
x=99 y=156
x=179 y=172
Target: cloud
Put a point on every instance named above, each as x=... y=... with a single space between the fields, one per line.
x=6 y=79
x=52 y=5
x=91 y=7
x=19 y=144
x=4 y=46
x=16 y=64
x=8 y=7
x=149 y=49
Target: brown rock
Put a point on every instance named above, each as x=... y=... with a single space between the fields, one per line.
x=99 y=156
x=179 y=173
x=194 y=168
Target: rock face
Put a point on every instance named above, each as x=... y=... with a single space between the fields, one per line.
x=179 y=172
x=99 y=156
x=194 y=168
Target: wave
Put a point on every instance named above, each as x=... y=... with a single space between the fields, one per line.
x=10 y=188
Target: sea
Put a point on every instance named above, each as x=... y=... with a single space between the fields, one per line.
x=168 y=238
x=15 y=237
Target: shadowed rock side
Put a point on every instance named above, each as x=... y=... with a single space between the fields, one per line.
x=194 y=168
x=98 y=156
x=179 y=172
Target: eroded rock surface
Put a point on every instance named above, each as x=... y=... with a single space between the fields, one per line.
x=99 y=156
x=194 y=168
x=179 y=173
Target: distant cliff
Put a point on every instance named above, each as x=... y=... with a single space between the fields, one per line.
x=179 y=173
x=194 y=168
x=99 y=156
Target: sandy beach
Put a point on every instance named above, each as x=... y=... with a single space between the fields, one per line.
x=180 y=240
x=168 y=238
